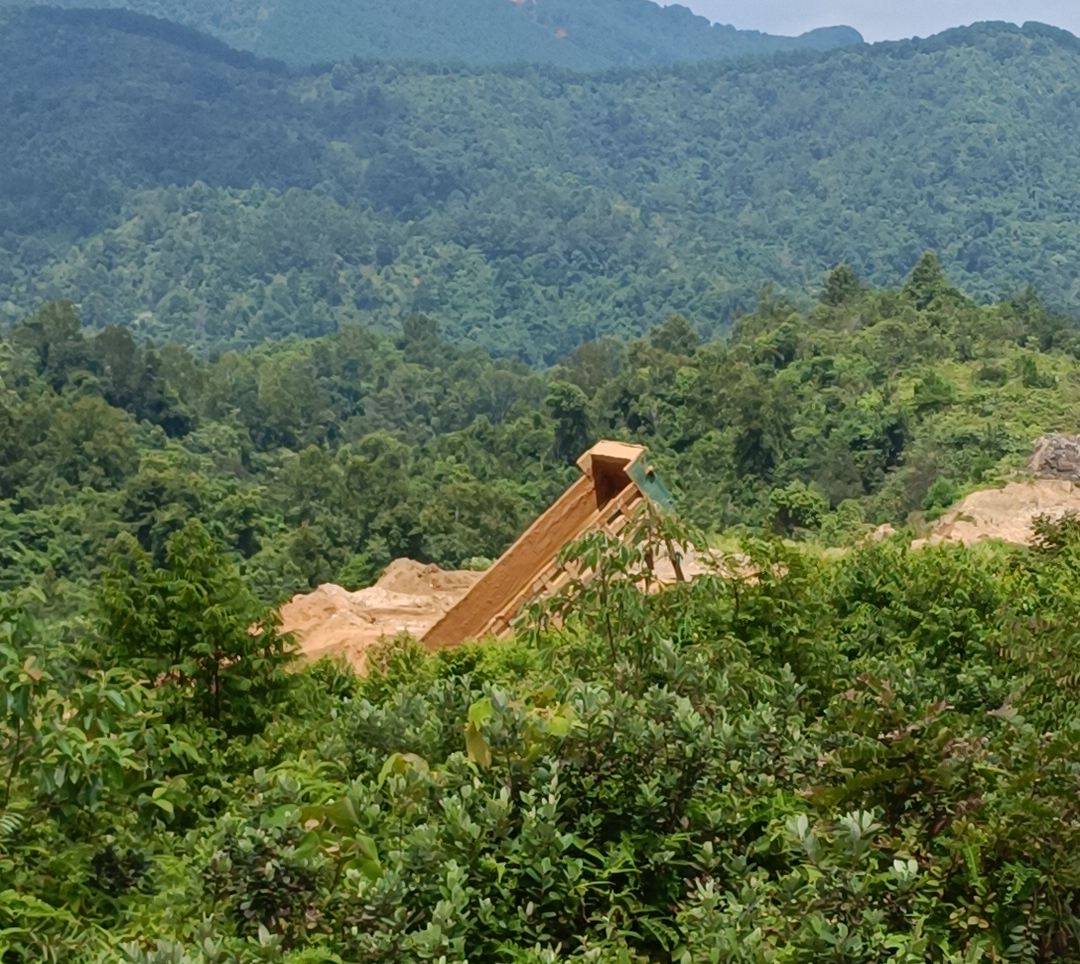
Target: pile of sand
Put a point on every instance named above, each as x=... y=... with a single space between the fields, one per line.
x=410 y=597
x=1005 y=514
x=415 y=579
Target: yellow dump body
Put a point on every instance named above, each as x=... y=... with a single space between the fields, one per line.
x=603 y=498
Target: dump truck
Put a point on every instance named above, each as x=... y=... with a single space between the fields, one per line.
x=616 y=479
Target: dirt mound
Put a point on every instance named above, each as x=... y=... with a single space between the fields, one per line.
x=410 y=597
x=1056 y=456
x=417 y=579
x=1005 y=514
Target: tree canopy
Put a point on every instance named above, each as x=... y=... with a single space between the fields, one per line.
x=866 y=758
x=865 y=755
x=323 y=459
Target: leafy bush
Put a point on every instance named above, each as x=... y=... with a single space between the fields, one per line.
x=797 y=506
x=864 y=758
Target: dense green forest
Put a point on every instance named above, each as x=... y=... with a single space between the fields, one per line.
x=869 y=759
x=579 y=34
x=189 y=192
x=321 y=460
x=863 y=757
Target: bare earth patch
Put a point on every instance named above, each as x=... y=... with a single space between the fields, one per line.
x=410 y=597
x=1005 y=514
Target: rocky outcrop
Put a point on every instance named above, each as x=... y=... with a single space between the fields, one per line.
x=1056 y=456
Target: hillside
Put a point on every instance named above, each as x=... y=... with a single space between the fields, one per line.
x=579 y=34
x=321 y=460
x=864 y=756
x=166 y=182
x=354 y=326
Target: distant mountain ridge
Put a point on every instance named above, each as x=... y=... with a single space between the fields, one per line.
x=165 y=181
x=579 y=34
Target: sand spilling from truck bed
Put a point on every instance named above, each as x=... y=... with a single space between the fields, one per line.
x=1005 y=513
x=410 y=597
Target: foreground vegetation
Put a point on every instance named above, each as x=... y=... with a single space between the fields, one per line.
x=865 y=760
x=185 y=190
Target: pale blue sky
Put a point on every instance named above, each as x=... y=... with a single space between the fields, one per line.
x=883 y=19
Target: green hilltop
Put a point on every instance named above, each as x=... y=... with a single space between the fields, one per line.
x=581 y=34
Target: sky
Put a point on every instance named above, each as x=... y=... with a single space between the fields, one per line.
x=883 y=19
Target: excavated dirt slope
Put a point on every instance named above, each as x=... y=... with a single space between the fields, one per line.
x=1006 y=513
x=410 y=597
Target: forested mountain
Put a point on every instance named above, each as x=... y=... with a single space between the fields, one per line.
x=167 y=183
x=579 y=34
x=312 y=298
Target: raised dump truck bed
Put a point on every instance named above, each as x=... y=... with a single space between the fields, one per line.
x=615 y=481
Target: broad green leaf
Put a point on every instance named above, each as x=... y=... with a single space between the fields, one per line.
x=343 y=814
x=477 y=747
x=480 y=712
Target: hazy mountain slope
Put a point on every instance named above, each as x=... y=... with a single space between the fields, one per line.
x=583 y=34
x=167 y=182
x=571 y=33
